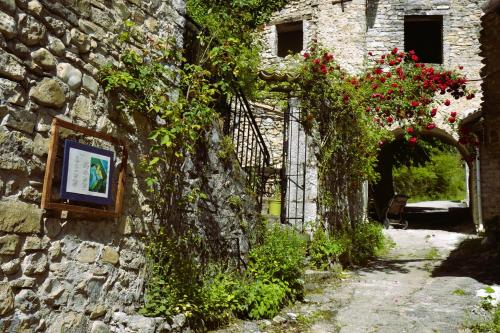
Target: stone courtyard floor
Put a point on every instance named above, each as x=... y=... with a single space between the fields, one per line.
x=415 y=288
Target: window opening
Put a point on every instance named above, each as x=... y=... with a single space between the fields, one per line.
x=290 y=38
x=424 y=35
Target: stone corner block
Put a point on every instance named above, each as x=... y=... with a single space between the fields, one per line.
x=49 y=93
x=6 y=299
x=110 y=255
x=9 y=244
x=20 y=217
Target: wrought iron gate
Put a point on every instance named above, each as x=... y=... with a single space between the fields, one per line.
x=250 y=147
x=294 y=169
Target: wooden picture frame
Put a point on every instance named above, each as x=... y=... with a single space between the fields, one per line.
x=47 y=202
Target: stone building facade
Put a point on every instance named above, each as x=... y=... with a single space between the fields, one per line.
x=352 y=29
x=488 y=124
x=63 y=272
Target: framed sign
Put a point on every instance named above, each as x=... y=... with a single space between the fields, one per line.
x=87 y=176
x=87 y=173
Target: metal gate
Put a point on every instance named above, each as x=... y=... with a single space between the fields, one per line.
x=294 y=169
x=250 y=147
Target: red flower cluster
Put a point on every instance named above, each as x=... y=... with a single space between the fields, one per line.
x=401 y=90
x=323 y=64
x=397 y=89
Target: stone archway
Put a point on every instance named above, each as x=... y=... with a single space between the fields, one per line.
x=383 y=190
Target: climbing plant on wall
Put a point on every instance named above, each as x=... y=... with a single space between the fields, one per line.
x=181 y=101
x=350 y=116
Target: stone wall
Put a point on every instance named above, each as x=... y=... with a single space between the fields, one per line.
x=270 y=122
x=360 y=26
x=61 y=272
x=461 y=26
x=490 y=134
x=357 y=27
x=340 y=28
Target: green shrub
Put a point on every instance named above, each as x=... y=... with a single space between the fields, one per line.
x=280 y=258
x=211 y=296
x=367 y=240
x=274 y=274
x=325 y=249
x=264 y=298
x=349 y=247
x=220 y=297
x=174 y=284
x=443 y=177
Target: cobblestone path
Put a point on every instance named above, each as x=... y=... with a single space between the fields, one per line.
x=398 y=293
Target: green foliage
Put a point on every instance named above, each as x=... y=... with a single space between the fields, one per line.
x=235 y=201
x=229 y=38
x=174 y=285
x=459 y=292
x=242 y=14
x=219 y=296
x=493 y=326
x=325 y=249
x=348 y=247
x=280 y=258
x=210 y=294
x=226 y=151
x=432 y=254
x=442 y=178
x=264 y=298
x=367 y=240
x=178 y=99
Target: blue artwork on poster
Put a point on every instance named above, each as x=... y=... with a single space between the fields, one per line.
x=87 y=173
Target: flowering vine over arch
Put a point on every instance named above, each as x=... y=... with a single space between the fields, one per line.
x=350 y=116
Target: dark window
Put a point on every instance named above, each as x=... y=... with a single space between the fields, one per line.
x=424 y=35
x=290 y=38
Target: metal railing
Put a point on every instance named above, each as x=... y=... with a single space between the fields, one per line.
x=250 y=148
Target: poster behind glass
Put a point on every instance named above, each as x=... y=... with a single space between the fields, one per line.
x=87 y=173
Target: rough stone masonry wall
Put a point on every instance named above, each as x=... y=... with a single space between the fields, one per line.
x=361 y=26
x=342 y=30
x=378 y=26
x=490 y=148
x=461 y=26
x=77 y=274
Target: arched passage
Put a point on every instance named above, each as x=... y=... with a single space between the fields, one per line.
x=382 y=191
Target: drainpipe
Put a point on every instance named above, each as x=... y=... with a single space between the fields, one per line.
x=467 y=184
x=480 y=227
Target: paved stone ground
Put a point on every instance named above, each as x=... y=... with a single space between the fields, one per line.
x=397 y=294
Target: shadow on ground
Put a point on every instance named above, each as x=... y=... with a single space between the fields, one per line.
x=456 y=220
x=470 y=259
x=392 y=266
